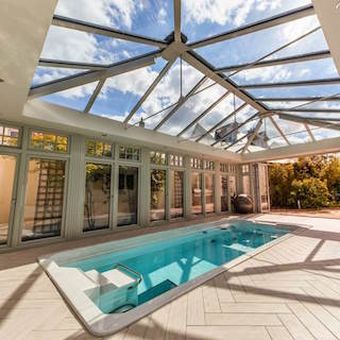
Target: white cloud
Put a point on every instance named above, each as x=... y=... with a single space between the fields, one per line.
x=118 y=13
x=223 y=12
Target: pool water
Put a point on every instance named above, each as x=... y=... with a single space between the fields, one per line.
x=173 y=261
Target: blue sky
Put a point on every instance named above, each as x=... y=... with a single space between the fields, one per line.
x=200 y=19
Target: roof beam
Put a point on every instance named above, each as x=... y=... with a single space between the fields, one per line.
x=204 y=113
x=94 y=95
x=160 y=76
x=280 y=61
x=279 y=130
x=221 y=122
x=257 y=26
x=327 y=81
x=74 y=65
x=92 y=76
x=177 y=19
x=181 y=102
x=201 y=65
x=299 y=99
x=252 y=136
x=295 y=119
x=310 y=132
x=307 y=110
x=87 y=27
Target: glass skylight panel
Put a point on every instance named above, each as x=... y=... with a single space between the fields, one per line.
x=46 y=74
x=152 y=18
x=289 y=127
x=231 y=52
x=277 y=142
x=308 y=70
x=193 y=107
x=323 y=133
x=75 y=46
x=299 y=137
x=120 y=93
x=205 y=18
x=75 y=98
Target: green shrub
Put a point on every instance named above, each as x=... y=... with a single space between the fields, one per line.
x=311 y=192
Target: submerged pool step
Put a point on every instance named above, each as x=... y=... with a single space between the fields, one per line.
x=155 y=291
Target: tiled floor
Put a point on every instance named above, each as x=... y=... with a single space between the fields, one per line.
x=290 y=291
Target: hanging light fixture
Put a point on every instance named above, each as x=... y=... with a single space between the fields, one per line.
x=141 y=123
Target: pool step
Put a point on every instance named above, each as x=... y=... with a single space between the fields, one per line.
x=114 y=276
x=156 y=291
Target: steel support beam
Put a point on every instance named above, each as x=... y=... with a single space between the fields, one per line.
x=201 y=65
x=221 y=122
x=87 y=27
x=310 y=133
x=160 y=76
x=299 y=99
x=280 y=61
x=310 y=122
x=92 y=76
x=252 y=136
x=279 y=130
x=257 y=26
x=180 y=103
x=72 y=65
x=177 y=19
x=328 y=81
x=94 y=95
x=297 y=110
x=204 y=113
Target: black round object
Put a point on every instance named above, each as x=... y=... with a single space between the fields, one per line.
x=243 y=204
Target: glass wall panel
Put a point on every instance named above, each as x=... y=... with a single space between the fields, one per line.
x=97 y=196
x=224 y=193
x=232 y=185
x=44 y=202
x=246 y=184
x=196 y=192
x=127 y=195
x=7 y=173
x=158 y=199
x=209 y=192
x=177 y=189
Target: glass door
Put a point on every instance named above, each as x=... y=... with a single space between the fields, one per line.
x=209 y=193
x=224 y=193
x=7 y=176
x=158 y=195
x=127 y=196
x=197 y=193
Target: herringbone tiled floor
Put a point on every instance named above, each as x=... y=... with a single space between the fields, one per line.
x=290 y=291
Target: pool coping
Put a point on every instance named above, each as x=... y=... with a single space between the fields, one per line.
x=100 y=324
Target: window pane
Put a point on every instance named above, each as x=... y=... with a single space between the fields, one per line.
x=209 y=193
x=246 y=184
x=97 y=197
x=9 y=136
x=7 y=173
x=127 y=195
x=44 y=199
x=177 y=187
x=224 y=193
x=157 y=207
x=232 y=186
x=196 y=192
x=48 y=142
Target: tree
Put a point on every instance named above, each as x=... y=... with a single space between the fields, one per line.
x=331 y=175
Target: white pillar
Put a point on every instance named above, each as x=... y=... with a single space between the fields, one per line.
x=144 y=203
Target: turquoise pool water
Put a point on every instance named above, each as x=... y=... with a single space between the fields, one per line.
x=173 y=261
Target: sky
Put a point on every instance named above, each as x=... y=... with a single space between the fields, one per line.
x=200 y=19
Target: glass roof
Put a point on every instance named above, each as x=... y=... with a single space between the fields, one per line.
x=126 y=60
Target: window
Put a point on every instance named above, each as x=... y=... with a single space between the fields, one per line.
x=224 y=167
x=97 y=197
x=245 y=169
x=176 y=160
x=233 y=168
x=48 y=142
x=209 y=192
x=127 y=195
x=197 y=163
x=196 y=193
x=9 y=136
x=129 y=153
x=177 y=190
x=98 y=149
x=158 y=158
x=158 y=198
x=7 y=175
x=209 y=165
x=44 y=199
